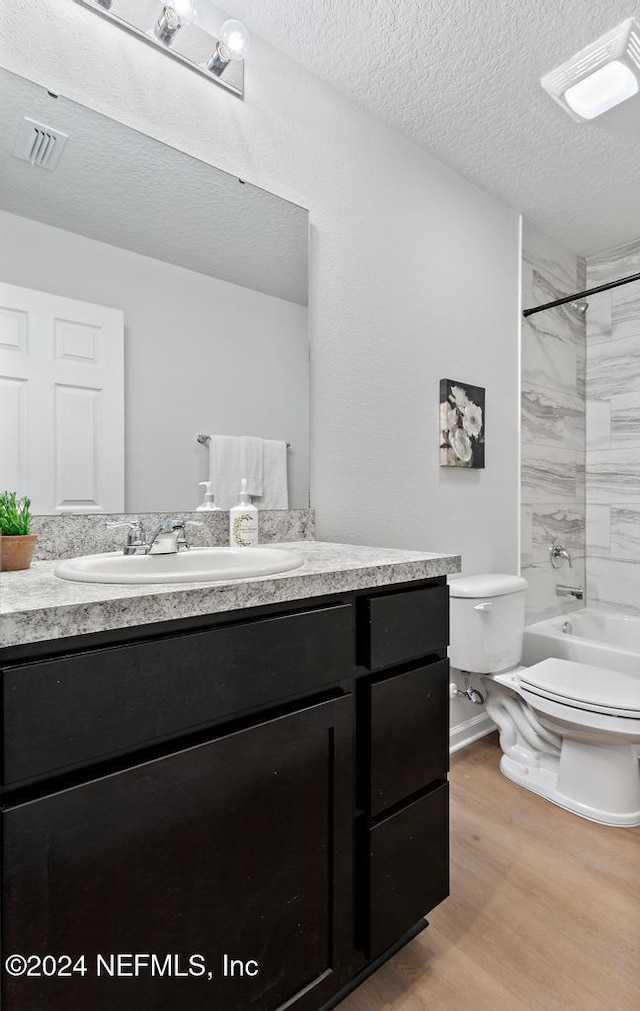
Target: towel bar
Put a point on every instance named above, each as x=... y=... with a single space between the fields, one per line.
x=204 y=439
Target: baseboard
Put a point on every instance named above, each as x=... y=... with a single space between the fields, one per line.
x=471 y=730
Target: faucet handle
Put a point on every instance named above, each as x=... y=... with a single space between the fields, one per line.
x=180 y=527
x=134 y=526
x=135 y=533
x=559 y=554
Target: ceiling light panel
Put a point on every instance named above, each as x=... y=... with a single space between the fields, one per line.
x=600 y=76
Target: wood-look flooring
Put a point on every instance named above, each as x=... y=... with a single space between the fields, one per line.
x=544 y=912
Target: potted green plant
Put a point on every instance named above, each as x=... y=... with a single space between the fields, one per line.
x=16 y=540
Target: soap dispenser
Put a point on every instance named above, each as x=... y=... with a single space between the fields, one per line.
x=243 y=520
x=208 y=505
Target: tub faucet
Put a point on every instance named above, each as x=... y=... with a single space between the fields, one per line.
x=569 y=591
x=559 y=554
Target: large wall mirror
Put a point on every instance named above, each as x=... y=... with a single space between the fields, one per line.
x=146 y=298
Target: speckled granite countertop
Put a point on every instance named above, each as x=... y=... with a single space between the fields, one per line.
x=35 y=605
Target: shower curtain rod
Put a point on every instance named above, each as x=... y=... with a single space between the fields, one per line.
x=581 y=294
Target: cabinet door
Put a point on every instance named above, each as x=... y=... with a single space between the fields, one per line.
x=409 y=733
x=239 y=847
x=408 y=867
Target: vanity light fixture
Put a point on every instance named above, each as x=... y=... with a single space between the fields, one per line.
x=233 y=44
x=600 y=76
x=170 y=25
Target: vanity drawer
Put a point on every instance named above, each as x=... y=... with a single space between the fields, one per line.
x=67 y=712
x=408 y=867
x=402 y=626
x=409 y=745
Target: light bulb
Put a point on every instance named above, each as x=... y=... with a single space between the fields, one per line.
x=235 y=37
x=233 y=44
x=186 y=9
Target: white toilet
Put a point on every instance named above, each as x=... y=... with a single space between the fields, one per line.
x=568 y=731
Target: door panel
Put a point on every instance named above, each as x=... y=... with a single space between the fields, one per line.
x=13 y=423
x=62 y=432
x=78 y=428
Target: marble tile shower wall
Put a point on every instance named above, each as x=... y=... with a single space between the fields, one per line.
x=553 y=425
x=613 y=432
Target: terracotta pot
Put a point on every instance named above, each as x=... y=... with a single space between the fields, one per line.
x=16 y=551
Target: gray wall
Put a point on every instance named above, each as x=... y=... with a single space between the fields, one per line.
x=613 y=432
x=553 y=424
x=201 y=355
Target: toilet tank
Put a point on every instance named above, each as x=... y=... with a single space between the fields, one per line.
x=487 y=622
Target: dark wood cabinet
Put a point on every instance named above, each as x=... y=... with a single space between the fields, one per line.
x=409 y=734
x=108 y=701
x=237 y=846
x=269 y=789
x=404 y=625
x=408 y=866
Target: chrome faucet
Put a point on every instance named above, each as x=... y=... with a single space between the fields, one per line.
x=167 y=539
x=559 y=554
x=163 y=540
x=170 y=537
x=135 y=544
x=569 y=591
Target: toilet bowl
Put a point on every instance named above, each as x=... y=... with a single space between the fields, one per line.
x=568 y=731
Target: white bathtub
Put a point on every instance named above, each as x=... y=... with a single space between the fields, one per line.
x=599 y=638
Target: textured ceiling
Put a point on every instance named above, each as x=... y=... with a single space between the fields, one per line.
x=124 y=188
x=461 y=77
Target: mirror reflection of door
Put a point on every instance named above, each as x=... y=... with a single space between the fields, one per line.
x=61 y=401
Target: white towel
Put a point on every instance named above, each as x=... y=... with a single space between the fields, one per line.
x=225 y=469
x=251 y=452
x=275 y=493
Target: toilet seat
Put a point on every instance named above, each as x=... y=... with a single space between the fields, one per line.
x=616 y=727
x=593 y=689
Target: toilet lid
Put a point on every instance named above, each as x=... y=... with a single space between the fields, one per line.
x=587 y=687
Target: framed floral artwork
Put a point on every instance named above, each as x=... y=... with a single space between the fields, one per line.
x=462 y=424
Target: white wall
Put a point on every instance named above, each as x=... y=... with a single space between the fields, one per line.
x=413 y=276
x=214 y=356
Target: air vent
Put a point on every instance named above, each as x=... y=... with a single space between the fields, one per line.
x=39 y=144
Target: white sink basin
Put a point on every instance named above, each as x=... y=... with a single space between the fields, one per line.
x=196 y=565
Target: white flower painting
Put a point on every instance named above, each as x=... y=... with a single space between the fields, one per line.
x=462 y=424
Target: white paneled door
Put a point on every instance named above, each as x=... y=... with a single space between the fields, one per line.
x=61 y=401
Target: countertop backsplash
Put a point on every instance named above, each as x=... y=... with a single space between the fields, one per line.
x=69 y=535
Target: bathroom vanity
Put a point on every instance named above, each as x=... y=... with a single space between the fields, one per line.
x=253 y=791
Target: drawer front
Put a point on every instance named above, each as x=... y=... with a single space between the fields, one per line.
x=408 y=868
x=409 y=734
x=404 y=626
x=63 y=713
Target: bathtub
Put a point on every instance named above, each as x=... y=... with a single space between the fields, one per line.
x=599 y=638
